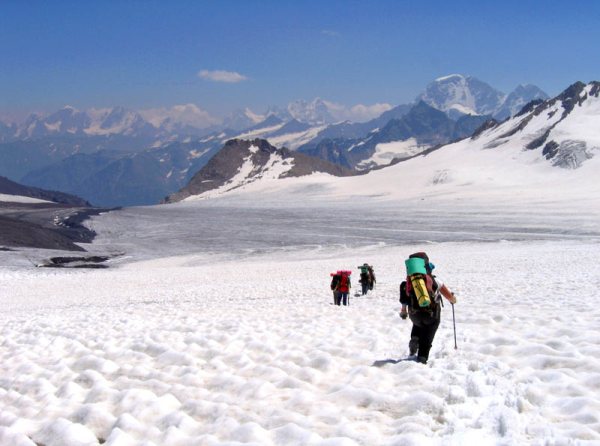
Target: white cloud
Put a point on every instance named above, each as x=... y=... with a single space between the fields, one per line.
x=222 y=76
x=356 y=113
x=187 y=114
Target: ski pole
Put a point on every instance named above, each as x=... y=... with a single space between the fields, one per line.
x=454 y=324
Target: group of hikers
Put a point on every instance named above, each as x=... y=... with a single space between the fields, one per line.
x=341 y=284
x=420 y=298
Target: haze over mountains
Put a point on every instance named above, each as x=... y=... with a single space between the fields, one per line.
x=123 y=157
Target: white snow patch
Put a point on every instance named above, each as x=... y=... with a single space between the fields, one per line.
x=198 y=153
x=21 y=199
x=55 y=127
x=385 y=153
x=450 y=76
x=463 y=109
x=257 y=133
x=294 y=140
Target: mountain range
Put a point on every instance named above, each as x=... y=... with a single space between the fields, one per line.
x=549 y=145
x=117 y=156
x=545 y=155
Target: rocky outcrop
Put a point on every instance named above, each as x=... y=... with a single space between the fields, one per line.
x=241 y=162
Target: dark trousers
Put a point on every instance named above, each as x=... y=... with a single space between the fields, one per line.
x=365 y=287
x=342 y=298
x=421 y=337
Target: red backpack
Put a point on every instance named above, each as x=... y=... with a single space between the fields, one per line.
x=344 y=281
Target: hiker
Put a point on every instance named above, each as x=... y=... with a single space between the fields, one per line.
x=365 y=278
x=420 y=296
x=343 y=287
x=371 y=277
x=335 y=280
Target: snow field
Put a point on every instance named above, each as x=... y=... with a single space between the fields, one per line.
x=189 y=350
x=21 y=199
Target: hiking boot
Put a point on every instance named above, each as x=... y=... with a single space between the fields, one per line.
x=422 y=359
x=413 y=346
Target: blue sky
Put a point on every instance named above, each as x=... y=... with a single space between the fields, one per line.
x=146 y=54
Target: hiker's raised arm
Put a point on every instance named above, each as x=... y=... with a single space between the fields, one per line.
x=448 y=294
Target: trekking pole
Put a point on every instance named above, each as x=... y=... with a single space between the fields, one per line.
x=454 y=324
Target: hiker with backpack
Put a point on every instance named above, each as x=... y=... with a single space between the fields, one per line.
x=371 y=277
x=420 y=296
x=335 y=280
x=342 y=287
x=365 y=278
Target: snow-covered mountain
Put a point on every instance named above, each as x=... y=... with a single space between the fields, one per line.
x=165 y=125
x=282 y=130
x=517 y=99
x=564 y=130
x=180 y=121
x=243 y=162
x=522 y=155
x=120 y=120
x=290 y=134
x=243 y=119
x=315 y=112
x=412 y=132
x=459 y=95
x=68 y=150
x=310 y=127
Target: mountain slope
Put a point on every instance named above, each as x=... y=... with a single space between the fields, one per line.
x=564 y=129
x=9 y=187
x=240 y=163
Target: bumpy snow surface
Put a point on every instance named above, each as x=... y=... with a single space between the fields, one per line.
x=216 y=327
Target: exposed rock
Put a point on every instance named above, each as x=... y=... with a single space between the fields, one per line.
x=257 y=157
x=571 y=154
